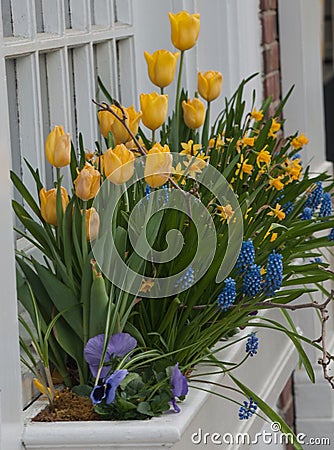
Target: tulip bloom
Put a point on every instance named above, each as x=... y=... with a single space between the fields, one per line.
x=48 y=204
x=161 y=67
x=117 y=128
x=58 y=147
x=87 y=182
x=92 y=224
x=210 y=85
x=106 y=119
x=158 y=165
x=154 y=107
x=118 y=164
x=193 y=113
x=184 y=29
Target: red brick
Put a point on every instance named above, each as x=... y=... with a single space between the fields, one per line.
x=269 y=27
x=271 y=60
x=272 y=85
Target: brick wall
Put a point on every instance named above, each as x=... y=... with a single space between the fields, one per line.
x=272 y=87
x=271 y=59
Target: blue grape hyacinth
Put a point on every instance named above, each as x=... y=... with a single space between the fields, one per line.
x=227 y=296
x=187 y=280
x=246 y=411
x=246 y=256
x=307 y=213
x=331 y=235
x=252 y=344
x=274 y=273
x=252 y=284
x=315 y=197
x=326 y=205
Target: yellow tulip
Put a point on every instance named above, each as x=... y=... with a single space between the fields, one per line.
x=184 y=29
x=92 y=224
x=132 y=120
x=87 y=182
x=106 y=119
x=158 y=165
x=161 y=67
x=48 y=204
x=154 y=107
x=118 y=164
x=58 y=147
x=193 y=113
x=210 y=85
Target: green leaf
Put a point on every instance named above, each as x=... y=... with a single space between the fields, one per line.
x=83 y=390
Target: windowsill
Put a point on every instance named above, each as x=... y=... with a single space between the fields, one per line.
x=261 y=373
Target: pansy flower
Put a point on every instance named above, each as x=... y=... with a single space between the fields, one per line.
x=118 y=346
x=179 y=386
x=107 y=391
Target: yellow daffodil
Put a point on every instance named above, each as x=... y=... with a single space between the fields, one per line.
x=256 y=115
x=195 y=164
x=299 y=141
x=263 y=157
x=244 y=142
x=276 y=183
x=226 y=212
x=189 y=148
x=275 y=126
x=273 y=237
x=178 y=173
x=217 y=142
x=293 y=168
x=277 y=212
x=243 y=167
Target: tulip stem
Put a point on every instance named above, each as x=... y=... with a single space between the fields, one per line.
x=177 y=99
x=153 y=136
x=205 y=132
x=83 y=233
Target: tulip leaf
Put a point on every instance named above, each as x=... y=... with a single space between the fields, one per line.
x=62 y=297
x=25 y=194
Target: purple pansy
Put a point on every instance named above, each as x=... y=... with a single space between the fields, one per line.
x=179 y=386
x=107 y=391
x=119 y=345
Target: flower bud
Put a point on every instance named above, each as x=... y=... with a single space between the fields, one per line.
x=210 y=85
x=118 y=164
x=48 y=204
x=161 y=67
x=154 y=107
x=193 y=113
x=92 y=224
x=58 y=147
x=106 y=119
x=158 y=166
x=87 y=182
x=184 y=29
